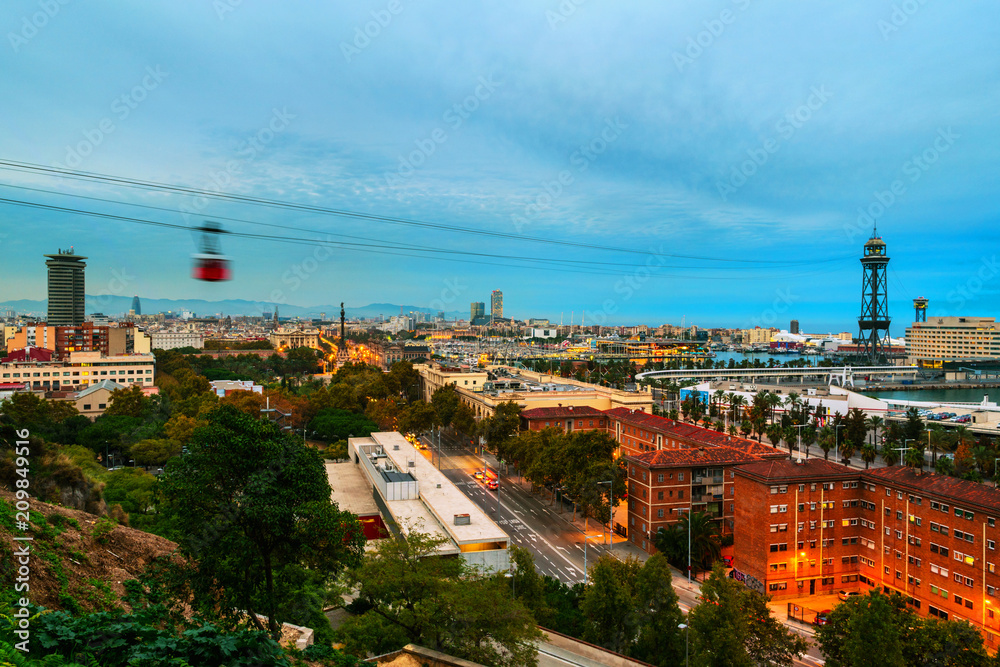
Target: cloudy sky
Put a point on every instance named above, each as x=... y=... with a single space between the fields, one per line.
x=644 y=162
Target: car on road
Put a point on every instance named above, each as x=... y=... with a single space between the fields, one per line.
x=478 y=474
x=491 y=484
x=822 y=618
x=847 y=595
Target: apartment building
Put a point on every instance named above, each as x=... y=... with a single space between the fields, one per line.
x=77 y=372
x=665 y=484
x=818 y=527
x=568 y=419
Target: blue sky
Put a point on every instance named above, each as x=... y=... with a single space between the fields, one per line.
x=763 y=133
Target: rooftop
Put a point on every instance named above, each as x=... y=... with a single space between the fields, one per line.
x=349 y=488
x=942 y=486
x=441 y=497
x=110 y=385
x=671 y=458
x=774 y=471
x=702 y=436
x=562 y=411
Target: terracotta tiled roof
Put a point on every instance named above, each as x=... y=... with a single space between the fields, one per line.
x=566 y=411
x=941 y=486
x=697 y=434
x=817 y=469
x=669 y=458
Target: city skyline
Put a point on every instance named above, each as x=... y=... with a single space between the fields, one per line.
x=744 y=175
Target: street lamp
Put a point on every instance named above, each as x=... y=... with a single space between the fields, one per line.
x=586 y=537
x=687 y=645
x=799 y=427
x=689 y=540
x=836 y=429
x=611 y=511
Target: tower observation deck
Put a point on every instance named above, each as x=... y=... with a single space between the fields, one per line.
x=873 y=323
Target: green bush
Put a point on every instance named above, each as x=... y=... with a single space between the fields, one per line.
x=103 y=529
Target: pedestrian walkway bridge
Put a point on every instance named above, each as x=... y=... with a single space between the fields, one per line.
x=842 y=375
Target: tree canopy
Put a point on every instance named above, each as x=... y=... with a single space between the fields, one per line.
x=249 y=503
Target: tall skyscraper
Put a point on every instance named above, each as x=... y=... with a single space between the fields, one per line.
x=496 y=305
x=477 y=309
x=66 y=288
x=793 y=328
x=136 y=306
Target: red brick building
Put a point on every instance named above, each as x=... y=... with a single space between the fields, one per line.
x=818 y=527
x=568 y=419
x=796 y=526
x=664 y=484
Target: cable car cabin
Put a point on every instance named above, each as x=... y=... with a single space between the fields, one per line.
x=210 y=264
x=211 y=268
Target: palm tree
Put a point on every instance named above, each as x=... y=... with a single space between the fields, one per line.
x=718 y=396
x=706 y=547
x=792 y=402
x=944 y=466
x=935 y=438
x=982 y=456
x=772 y=401
x=914 y=457
x=826 y=441
x=737 y=403
x=868 y=454
x=890 y=455
x=874 y=423
x=774 y=434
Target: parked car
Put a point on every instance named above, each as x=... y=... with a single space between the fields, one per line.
x=822 y=617
x=964 y=419
x=847 y=595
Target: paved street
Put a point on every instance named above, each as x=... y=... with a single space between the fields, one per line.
x=553 y=538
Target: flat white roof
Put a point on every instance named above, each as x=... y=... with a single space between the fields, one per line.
x=350 y=489
x=441 y=503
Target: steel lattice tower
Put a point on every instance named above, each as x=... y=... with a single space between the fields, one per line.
x=873 y=323
x=920 y=309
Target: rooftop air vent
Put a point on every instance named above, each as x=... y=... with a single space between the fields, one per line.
x=395 y=448
x=462 y=520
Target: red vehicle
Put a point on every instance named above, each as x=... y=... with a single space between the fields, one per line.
x=822 y=618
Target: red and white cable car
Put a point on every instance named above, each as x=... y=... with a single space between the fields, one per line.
x=210 y=264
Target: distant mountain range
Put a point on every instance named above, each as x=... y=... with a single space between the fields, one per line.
x=117 y=305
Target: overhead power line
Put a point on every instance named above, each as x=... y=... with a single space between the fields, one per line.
x=323 y=210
